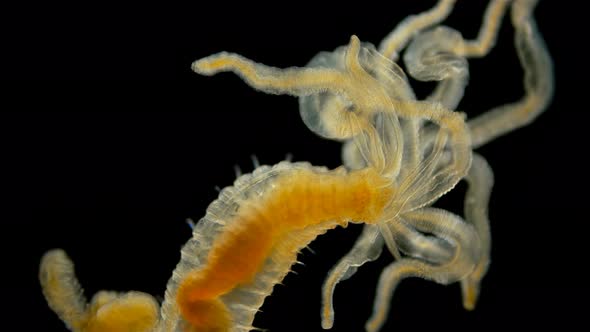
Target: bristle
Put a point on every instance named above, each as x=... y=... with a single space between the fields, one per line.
x=237 y=171
x=255 y=161
x=190 y=223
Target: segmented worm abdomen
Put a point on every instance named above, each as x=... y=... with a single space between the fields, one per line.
x=256 y=245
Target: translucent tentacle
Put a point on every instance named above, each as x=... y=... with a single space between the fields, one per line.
x=538 y=80
x=480 y=179
x=432 y=57
x=488 y=33
x=448 y=227
x=414 y=244
x=412 y=25
x=367 y=248
x=294 y=81
x=413 y=190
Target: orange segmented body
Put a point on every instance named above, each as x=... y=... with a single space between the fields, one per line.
x=300 y=201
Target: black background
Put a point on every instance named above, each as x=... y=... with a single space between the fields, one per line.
x=109 y=142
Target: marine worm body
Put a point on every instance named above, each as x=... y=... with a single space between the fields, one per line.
x=252 y=234
x=399 y=156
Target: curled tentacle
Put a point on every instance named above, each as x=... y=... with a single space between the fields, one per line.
x=431 y=57
x=448 y=227
x=538 y=80
x=414 y=244
x=366 y=249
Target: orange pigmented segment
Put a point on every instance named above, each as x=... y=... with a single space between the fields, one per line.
x=298 y=200
x=207 y=316
x=131 y=312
